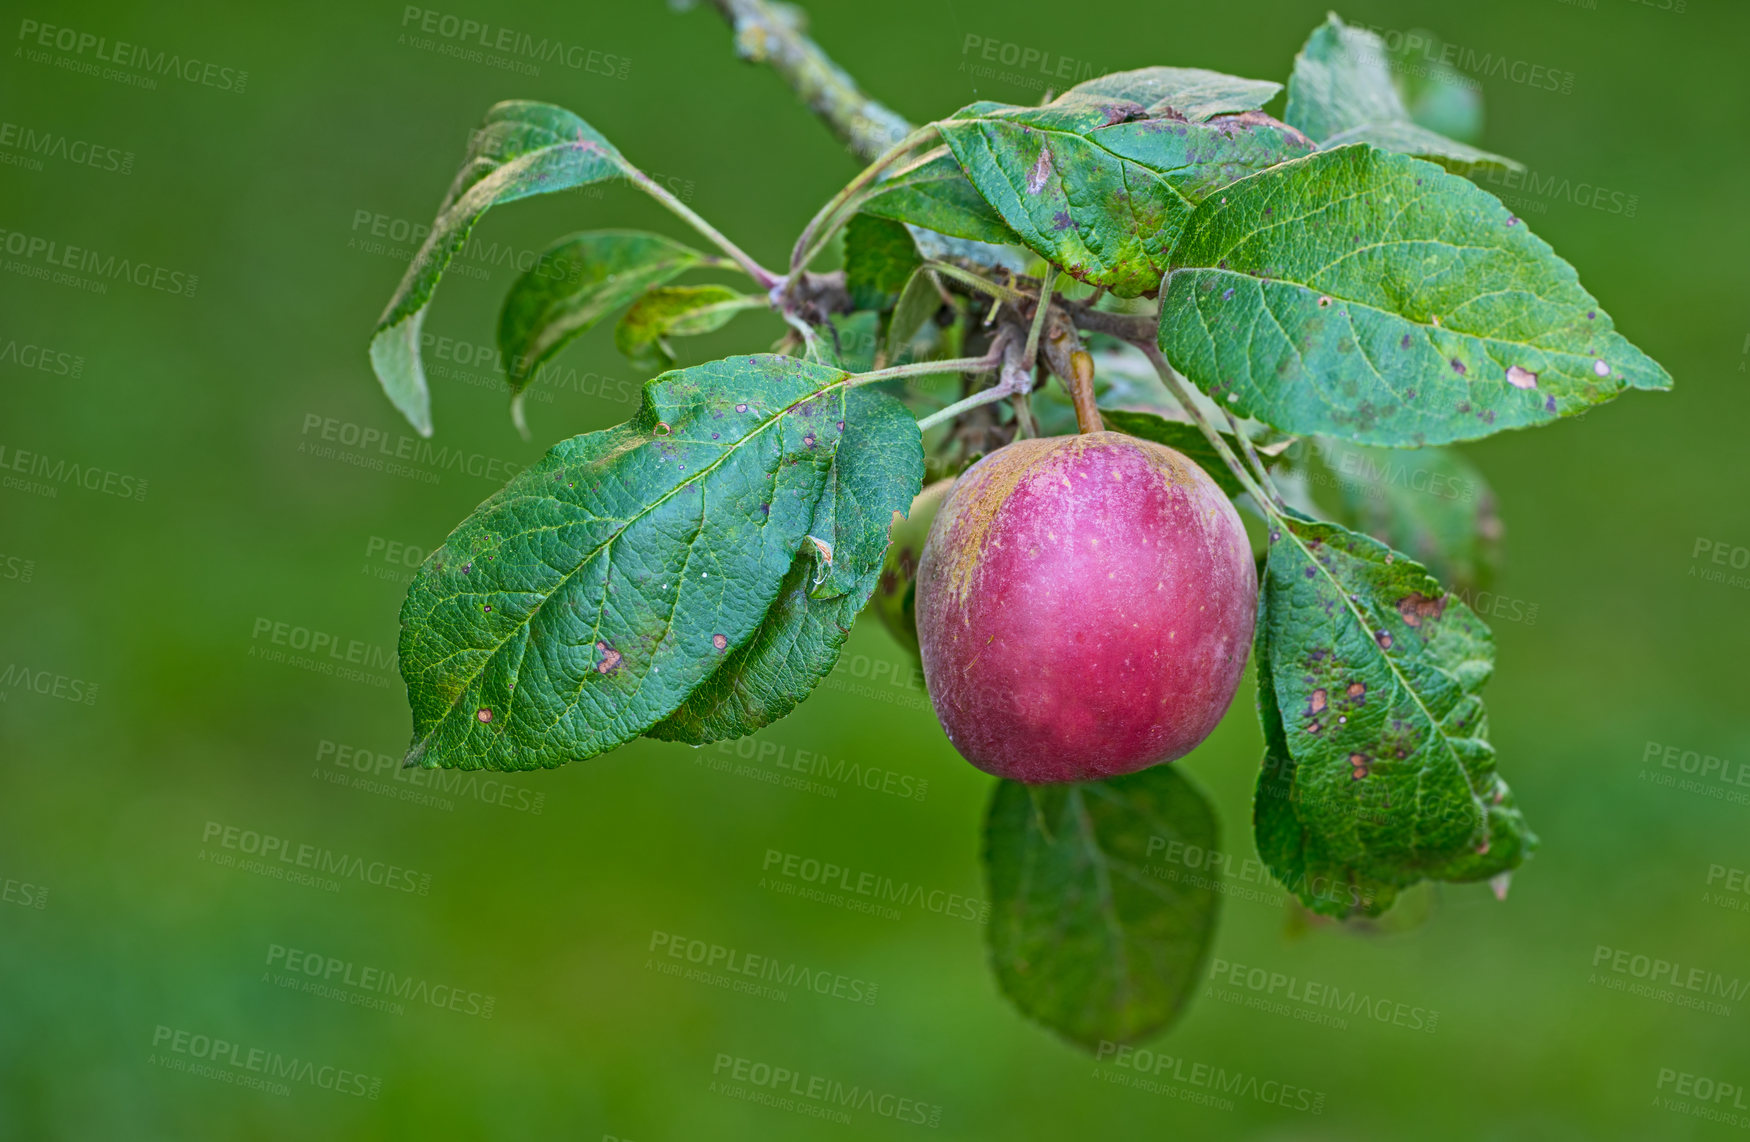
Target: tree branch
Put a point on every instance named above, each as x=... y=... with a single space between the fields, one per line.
x=773 y=34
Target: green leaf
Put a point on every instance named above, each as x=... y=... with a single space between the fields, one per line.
x=1188 y=92
x=1179 y=436
x=1435 y=94
x=1342 y=92
x=1375 y=297
x=877 y=471
x=918 y=302
x=1295 y=856
x=587 y=599
x=934 y=193
x=1085 y=937
x=1198 y=159
x=979 y=257
x=1378 y=770
x=675 y=311
x=1432 y=504
x=521 y=149
x=1089 y=184
x=1104 y=219
x=879 y=256
x=848 y=340
x=578 y=281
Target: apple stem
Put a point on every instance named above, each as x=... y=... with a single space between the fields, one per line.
x=1081 y=391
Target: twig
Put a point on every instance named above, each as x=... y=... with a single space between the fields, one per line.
x=1046 y=288
x=976 y=281
x=926 y=368
x=1177 y=384
x=1135 y=328
x=1254 y=460
x=1015 y=378
x=822 y=226
x=766 y=278
x=766 y=34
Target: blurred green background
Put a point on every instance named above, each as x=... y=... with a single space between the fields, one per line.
x=210 y=492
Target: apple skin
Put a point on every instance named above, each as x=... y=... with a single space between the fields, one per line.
x=1084 y=608
x=895 y=596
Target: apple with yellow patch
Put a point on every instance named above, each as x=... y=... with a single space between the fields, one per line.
x=1084 y=608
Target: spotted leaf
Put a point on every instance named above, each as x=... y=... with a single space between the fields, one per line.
x=1378 y=769
x=586 y=600
x=1375 y=297
x=1098 y=185
x=876 y=472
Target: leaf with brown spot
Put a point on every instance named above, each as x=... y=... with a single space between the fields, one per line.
x=1101 y=187
x=1417 y=268
x=1403 y=786
x=603 y=586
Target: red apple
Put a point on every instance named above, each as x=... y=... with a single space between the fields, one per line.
x=1084 y=608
